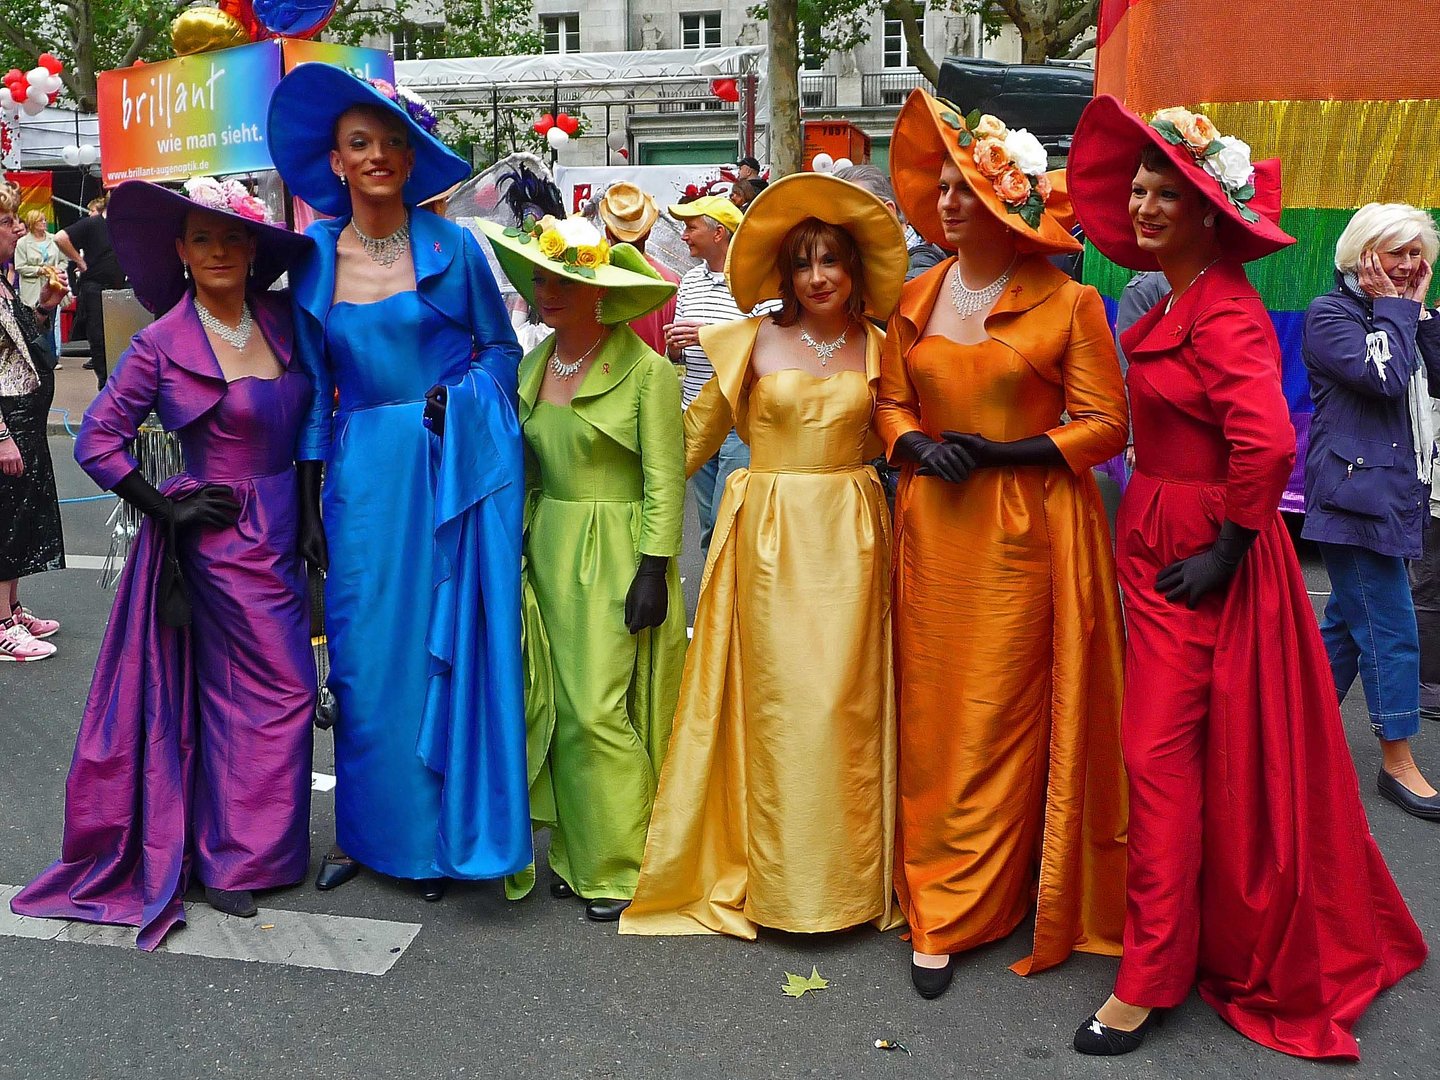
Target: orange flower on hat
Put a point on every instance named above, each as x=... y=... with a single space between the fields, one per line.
x=991 y=158
x=1199 y=132
x=1012 y=185
x=1043 y=187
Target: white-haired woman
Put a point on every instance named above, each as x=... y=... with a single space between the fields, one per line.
x=1372 y=349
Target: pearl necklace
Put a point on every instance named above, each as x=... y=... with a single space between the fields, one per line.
x=824 y=349
x=968 y=301
x=385 y=250
x=236 y=337
x=568 y=371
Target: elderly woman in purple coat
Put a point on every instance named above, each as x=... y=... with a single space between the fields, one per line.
x=194 y=750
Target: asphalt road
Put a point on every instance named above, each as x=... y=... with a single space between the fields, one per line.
x=490 y=988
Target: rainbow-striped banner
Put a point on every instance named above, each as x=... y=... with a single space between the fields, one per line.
x=1347 y=95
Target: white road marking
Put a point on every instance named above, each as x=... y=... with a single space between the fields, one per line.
x=320 y=781
x=297 y=939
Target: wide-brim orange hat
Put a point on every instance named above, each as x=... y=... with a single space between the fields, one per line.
x=1106 y=154
x=929 y=131
x=752 y=268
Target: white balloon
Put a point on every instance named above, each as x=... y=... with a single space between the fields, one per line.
x=616 y=139
x=89 y=154
x=36 y=76
x=843 y=163
x=33 y=108
x=556 y=137
x=822 y=162
x=37 y=94
x=71 y=154
x=53 y=84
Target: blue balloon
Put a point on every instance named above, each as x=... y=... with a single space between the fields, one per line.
x=294 y=18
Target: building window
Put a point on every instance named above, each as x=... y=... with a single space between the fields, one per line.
x=700 y=30
x=810 y=57
x=560 y=33
x=897 y=54
x=416 y=41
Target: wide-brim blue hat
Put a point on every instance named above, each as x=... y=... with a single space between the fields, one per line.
x=146 y=219
x=301 y=129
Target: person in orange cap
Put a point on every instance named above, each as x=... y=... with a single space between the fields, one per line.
x=1251 y=869
x=1008 y=631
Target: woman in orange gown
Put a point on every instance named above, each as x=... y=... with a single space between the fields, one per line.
x=998 y=401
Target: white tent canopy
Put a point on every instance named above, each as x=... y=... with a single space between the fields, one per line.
x=43 y=137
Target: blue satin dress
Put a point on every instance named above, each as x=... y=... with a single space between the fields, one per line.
x=429 y=745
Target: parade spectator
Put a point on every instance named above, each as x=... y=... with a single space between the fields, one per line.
x=747 y=168
x=1251 y=869
x=921 y=253
x=87 y=245
x=742 y=194
x=205 y=679
x=1372 y=348
x=999 y=398
x=628 y=214
x=605 y=636
x=1425 y=594
x=30 y=536
x=704 y=298
x=423 y=490
x=777 y=804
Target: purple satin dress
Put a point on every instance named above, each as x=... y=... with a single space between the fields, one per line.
x=194 y=751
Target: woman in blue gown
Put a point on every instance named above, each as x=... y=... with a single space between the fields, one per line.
x=402 y=330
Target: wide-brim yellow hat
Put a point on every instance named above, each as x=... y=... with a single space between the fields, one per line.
x=784 y=204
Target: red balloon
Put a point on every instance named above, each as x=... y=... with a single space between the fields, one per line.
x=567 y=123
x=544 y=124
x=725 y=89
x=49 y=62
x=243 y=11
x=12 y=75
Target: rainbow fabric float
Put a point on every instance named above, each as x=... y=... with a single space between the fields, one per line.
x=1347 y=95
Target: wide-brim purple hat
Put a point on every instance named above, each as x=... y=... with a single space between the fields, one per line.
x=301 y=129
x=146 y=219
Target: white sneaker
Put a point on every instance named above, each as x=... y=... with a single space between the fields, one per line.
x=19 y=645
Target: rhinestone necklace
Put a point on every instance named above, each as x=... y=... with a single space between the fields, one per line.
x=385 y=250
x=824 y=349
x=236 y=337
x=567 y=371
x=970 y=301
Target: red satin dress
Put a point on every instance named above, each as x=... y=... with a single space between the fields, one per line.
x=1251 y=866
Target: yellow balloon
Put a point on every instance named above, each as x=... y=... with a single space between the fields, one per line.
x=205 y=29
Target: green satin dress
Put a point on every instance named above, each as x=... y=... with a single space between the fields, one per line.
x=606 y=479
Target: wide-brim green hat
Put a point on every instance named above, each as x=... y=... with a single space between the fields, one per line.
x=632 y=286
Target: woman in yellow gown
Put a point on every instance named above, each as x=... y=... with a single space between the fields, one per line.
x=776 y=805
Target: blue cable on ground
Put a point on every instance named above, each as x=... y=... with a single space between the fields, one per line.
x=104 y=496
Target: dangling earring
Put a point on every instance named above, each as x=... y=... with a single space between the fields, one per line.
x=343 y=181
x=185 y=270
x=252 y=268
x=1209 y=221
x=599 y=305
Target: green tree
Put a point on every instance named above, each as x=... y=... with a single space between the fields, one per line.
x=449 y=28
x=88 y=37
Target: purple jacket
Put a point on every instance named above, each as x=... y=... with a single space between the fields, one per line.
x=1361 y=486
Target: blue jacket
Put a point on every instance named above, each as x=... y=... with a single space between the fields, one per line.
x=1361 y=486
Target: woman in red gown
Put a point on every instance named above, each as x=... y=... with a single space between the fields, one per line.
x=1252 y=871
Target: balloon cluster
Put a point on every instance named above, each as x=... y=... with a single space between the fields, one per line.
x=239 y=22
x=80 y=155
x=30 y=91
x=556 y=129
x=824 y=163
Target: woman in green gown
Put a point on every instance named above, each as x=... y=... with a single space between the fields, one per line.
x=604 y=617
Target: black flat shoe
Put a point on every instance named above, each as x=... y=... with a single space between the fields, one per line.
x=335 y=870
x=930 y=983
x=1097 y=1040
x=240 y=903
x=1427 y=809
x=604 y=909
x=433 y=889
x=559 y=890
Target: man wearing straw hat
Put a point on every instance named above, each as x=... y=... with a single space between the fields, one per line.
x=628 y=214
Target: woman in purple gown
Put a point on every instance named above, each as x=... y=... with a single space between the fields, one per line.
x=194 y=749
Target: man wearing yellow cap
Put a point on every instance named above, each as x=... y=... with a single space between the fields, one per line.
x=628 y=215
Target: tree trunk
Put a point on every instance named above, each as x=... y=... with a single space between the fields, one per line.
x=786 y=139
x=84 y=87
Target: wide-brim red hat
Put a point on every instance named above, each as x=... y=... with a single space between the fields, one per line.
x=1103 y=160
x=929 y=131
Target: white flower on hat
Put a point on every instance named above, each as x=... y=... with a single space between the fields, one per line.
x=1026 y=152
x=576 y=231
x=1231 y=166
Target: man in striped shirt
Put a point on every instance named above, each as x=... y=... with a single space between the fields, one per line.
x=704 y=298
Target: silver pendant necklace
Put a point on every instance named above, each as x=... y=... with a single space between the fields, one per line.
x=385 y=250
x=236 y=337
x=567 y=371
x=1170 y=300
x=824 y=349
x=968 y=301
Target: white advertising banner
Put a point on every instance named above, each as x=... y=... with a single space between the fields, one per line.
x=581 y=184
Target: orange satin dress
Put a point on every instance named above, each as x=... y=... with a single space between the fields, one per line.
x=1008 y=639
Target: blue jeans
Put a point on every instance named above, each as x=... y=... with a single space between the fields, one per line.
x=709 y=481
x=1369 y=630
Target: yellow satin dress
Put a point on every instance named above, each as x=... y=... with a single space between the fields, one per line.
x=776 y=805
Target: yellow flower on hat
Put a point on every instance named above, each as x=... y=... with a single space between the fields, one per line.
x=552 y=244
x=990 y=127
x=590 y=255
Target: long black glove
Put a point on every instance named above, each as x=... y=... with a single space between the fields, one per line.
x=648 y=601
x=987 y=453
x=436 y=399
x=1191 y=579
x=313 y=548
x=213 y=506
x=948 y=461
